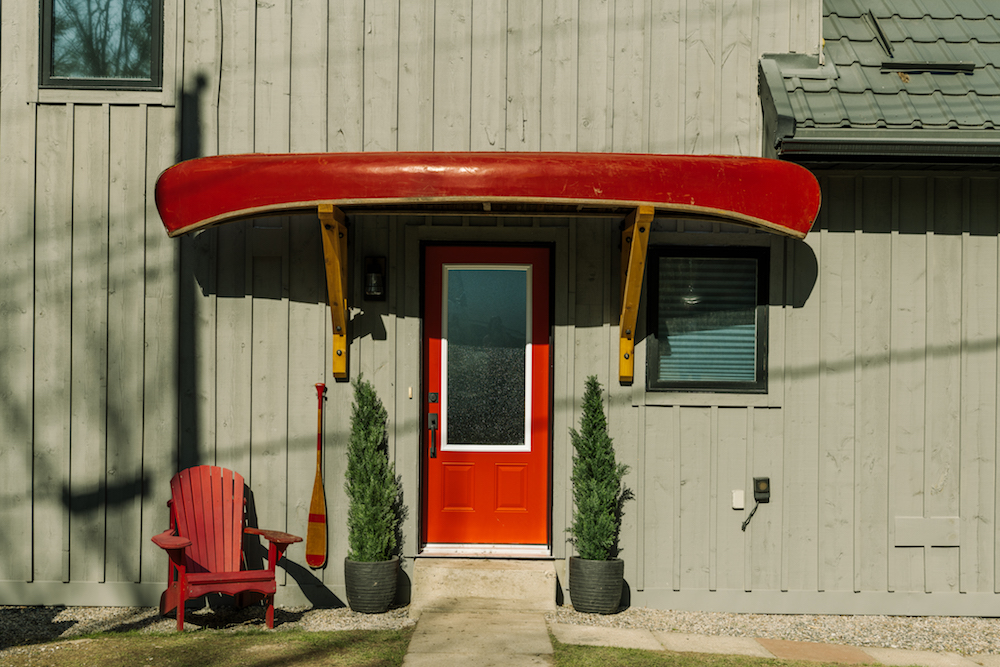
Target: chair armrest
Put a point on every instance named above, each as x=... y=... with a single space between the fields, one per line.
x=167 y=540
x=275 y=536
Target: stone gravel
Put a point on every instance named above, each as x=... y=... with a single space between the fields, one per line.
x=964 y=635
x=20 y=626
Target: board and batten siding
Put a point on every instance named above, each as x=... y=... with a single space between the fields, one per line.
x=128 y=355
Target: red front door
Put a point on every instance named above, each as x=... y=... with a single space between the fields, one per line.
x=486 y=395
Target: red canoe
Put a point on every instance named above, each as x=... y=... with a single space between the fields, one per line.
x=768 y=194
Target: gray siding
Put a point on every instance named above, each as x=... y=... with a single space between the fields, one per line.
x=128 y=355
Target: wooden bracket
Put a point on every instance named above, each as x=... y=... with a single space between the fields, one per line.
x=334 y=230
x=635 y=240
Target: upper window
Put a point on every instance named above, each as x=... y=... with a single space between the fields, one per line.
x=107 y=44
x=707 y=327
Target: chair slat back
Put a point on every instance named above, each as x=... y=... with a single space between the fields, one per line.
x=209 y=511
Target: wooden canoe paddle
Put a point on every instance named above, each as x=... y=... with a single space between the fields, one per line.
x=316 y=533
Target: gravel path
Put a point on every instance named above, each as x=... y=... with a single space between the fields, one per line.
x=964 y=635
x=968 y=636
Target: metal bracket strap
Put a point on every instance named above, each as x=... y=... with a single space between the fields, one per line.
x=635 y=240
x=334 y=230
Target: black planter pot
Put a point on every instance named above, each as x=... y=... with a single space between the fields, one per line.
x=371 y=587
x=595 y=586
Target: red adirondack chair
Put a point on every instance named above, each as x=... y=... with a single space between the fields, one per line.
x=205 y=542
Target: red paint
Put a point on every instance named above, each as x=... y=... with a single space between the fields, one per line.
x=778 y=196
x=488 y=497
x=205 y=541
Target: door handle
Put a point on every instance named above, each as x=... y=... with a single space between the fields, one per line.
x=432 y=424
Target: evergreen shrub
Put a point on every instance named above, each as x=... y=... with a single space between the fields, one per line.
x=373 y=491
x=598 y=492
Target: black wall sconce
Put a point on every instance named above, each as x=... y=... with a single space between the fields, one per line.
x=375 y=278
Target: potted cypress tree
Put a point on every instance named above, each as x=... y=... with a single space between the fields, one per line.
x=596 y=575
x=374 y=510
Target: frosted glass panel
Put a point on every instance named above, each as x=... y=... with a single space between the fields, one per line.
x=486 y=328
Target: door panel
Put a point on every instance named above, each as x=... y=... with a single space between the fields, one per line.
x=487 y=390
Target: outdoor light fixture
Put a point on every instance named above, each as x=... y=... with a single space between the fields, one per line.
x=762 y=489
x=375 y=278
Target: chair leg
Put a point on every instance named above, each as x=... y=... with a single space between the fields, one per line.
x=269 y=615
x=181 y=598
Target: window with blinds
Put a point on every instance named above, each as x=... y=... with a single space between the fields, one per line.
x=707 y=319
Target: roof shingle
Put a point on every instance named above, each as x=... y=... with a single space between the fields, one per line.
x=862 y=88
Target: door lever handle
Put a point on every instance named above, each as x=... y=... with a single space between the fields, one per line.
x=432 y=424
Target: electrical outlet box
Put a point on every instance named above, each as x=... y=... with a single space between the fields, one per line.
x=762 y=489
x=738 y=500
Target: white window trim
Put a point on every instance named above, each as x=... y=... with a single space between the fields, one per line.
x=528 y=376
x=173 y=31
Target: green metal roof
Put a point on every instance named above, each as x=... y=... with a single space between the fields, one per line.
x=907 y=79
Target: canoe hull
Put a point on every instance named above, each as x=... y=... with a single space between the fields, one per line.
x=769 y=194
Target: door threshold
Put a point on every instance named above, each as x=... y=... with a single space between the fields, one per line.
x=438 y=550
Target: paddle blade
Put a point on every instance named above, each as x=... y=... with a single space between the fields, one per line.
x=316 y=532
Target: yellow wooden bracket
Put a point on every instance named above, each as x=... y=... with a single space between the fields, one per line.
x=334 y=229
x=635 y=240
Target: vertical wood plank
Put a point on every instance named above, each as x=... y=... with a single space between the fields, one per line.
x=160 y=405
x=661 y=512
x=695 y=465
x=701 y=56
x=979 y=387
x=667 y=76
x=53 y=320
x=269 y=388
x=233 y=358
x=630 y=77
x=416 y=76
x=524 y=76
x=345 y=117
x=872 y=359
x=943 y=407
x=737 y=100
x=308 y=78
x=199 y=74
x=272 y=82
x=800 y=546
x=765 y=528
x=126 y=241
x=732 y=466
x=236 y=107
x=907 y=398
x=454 y=24
x=88 y=423
x=307 y=318
x=836 y=422
x=559 y=48
x=18 y=27
x=594 y=92
x=381 y=81
x=488 y=68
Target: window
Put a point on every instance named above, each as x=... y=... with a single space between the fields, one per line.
x=104 y=44
x=707 y=319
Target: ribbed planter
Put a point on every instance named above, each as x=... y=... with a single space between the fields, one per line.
x=371 y=587
x=595 y=586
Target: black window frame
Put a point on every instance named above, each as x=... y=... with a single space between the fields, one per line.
x=762 y=255
x=47 y=81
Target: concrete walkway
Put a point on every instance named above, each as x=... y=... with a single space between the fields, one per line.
x=485 y=639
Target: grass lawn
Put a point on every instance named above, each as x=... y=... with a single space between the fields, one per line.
x=569 y=655
x=212 y=648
